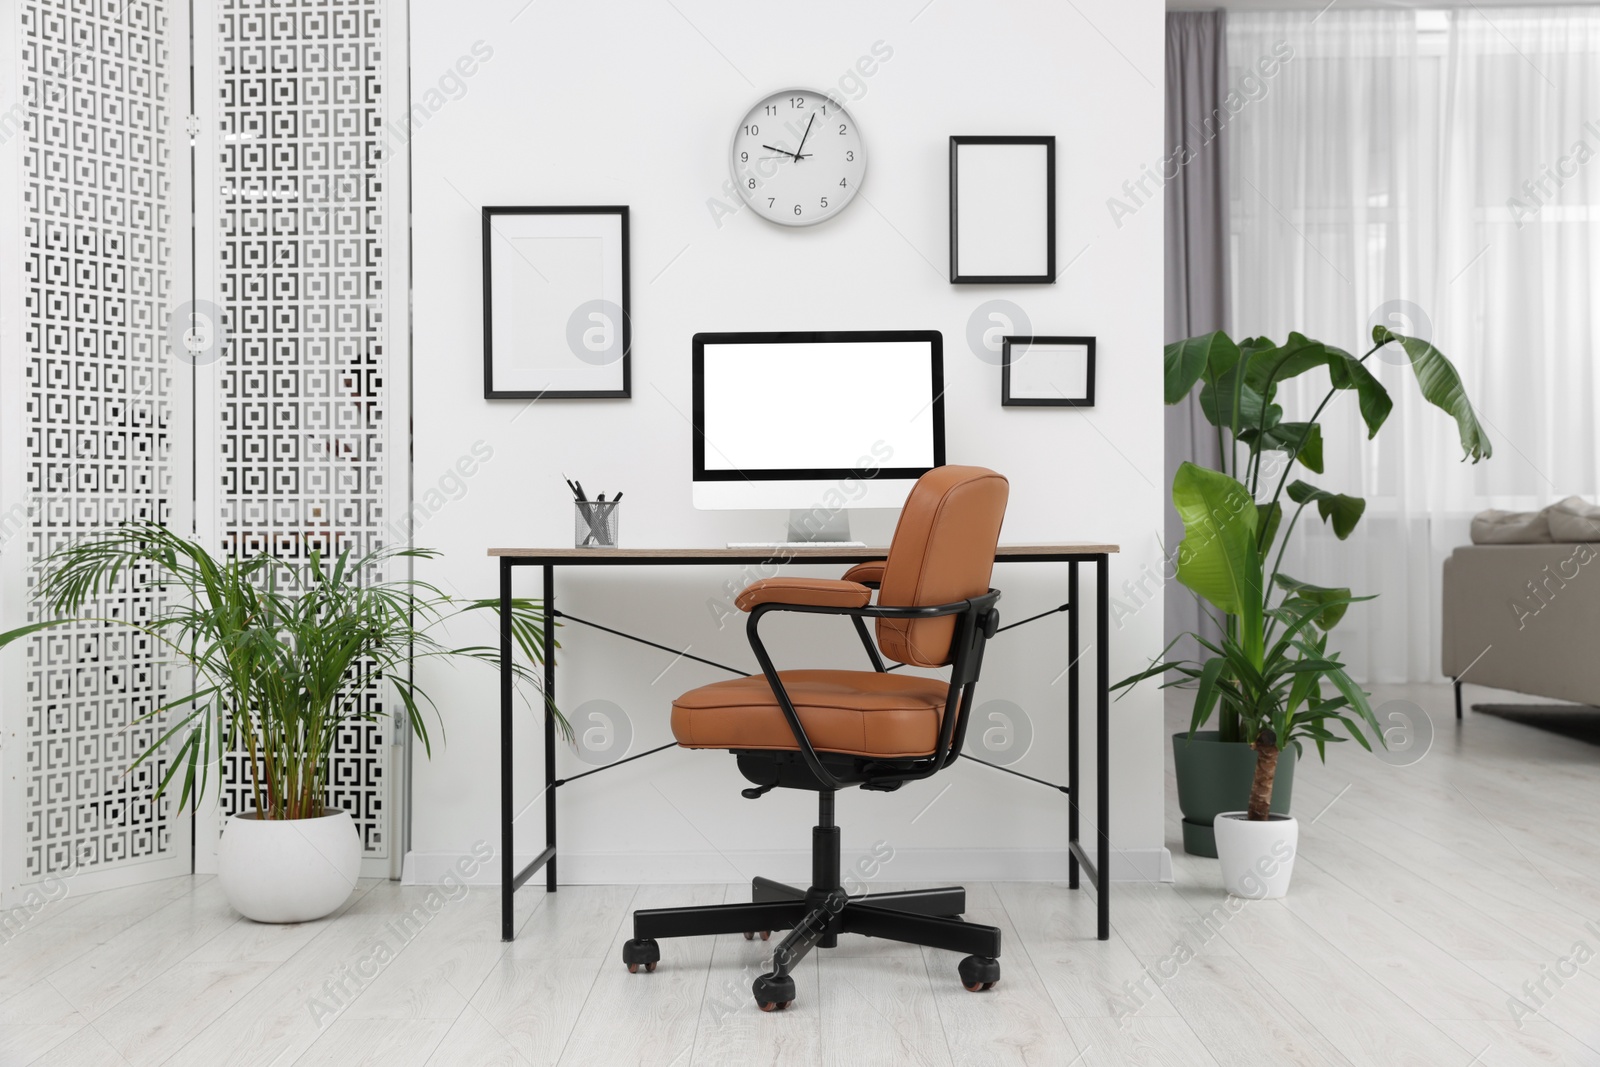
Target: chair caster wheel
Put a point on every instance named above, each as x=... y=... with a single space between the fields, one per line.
x=773 y=992
x=750 y=935
x=979 y=972
x=639 y=952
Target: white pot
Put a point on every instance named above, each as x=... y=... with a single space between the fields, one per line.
x=289 y=870
x=1257 y=857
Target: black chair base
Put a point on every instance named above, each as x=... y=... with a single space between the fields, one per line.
x=817 y=916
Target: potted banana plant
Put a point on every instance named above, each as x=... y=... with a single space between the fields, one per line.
x=278 y=651
x=1263 y=681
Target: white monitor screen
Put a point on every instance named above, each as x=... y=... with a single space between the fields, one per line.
x=817 y=404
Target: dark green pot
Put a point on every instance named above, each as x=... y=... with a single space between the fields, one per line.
x=1214 y=777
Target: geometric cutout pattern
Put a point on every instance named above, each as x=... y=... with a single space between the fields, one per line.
x=302 y=279
x=97 y=218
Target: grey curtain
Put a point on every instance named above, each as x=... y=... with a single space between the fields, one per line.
x=1196 y=208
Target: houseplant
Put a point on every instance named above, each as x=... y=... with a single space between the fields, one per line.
x=1263 y=679
x=278 y=652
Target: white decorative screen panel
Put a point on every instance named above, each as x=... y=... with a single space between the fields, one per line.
x=100 y=191
x=302 y=377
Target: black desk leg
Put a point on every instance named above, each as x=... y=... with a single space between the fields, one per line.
x=549 y=606
x=1072 y=723
x=1102 y=739
x=507 y=860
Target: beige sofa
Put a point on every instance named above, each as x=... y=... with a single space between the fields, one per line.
x=1524 y=617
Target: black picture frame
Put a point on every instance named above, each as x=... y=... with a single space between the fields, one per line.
x=492 y=391
x=1010 y=401
x=933 y=338
x=1049 y=276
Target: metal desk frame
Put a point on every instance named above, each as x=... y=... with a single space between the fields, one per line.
x=548 y=560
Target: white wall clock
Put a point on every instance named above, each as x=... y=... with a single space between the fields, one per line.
x=797 y=157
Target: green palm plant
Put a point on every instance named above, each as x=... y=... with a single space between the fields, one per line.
x=1264 y=678
x=279 y=650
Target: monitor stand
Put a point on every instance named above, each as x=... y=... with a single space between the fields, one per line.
x=818 y=525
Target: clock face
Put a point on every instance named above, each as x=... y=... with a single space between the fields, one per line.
x=797 y=157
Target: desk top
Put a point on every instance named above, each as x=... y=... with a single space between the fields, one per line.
x=1061 y=550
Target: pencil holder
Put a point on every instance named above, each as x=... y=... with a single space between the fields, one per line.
x=594 y=524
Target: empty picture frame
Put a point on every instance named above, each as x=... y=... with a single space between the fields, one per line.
x=1002 y=210
x=1047 y=372
x=555 y=303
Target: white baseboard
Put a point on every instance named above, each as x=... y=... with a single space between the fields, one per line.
x=953 y=865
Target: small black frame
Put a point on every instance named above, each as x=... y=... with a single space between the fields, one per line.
x=489 y=390
x=1047 y=278
x=1009 y=401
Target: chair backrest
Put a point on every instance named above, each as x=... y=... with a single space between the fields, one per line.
x=943 y=551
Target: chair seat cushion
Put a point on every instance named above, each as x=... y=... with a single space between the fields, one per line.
x=860 y=713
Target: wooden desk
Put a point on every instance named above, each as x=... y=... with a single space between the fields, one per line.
x=548 y=560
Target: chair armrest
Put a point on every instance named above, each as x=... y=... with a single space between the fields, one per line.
x=810 y=592
x=869 y=574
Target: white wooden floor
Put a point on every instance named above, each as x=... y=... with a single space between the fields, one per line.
x=1424 y=898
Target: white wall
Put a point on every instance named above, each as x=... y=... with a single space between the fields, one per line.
x=634 y=104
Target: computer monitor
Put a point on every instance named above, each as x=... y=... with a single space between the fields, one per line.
x=816 y=422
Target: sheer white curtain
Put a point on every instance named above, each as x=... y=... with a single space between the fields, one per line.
x=1521 y=254
x=1371 y=180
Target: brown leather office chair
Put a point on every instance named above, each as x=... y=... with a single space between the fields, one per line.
x=825 y=730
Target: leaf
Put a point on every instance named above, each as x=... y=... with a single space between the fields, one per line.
x=1349 y=373
x=1330 y=602
x=1149 y=672
x=1268 y=516
x=23 y=631
x=1344 y=511
x=1217 y=557
x=1187 y=360
x=1320 y=666
x=1235 y=406
x=1441 y=386
x=1250 y=347
x=1271 y=365
x=1355 y=732
x=1309 y=439
x=1159 y=665
x=1299 y=354
x=1303 y=440
x=1296 y=614
x=1206 y=698
x=1302 y=691
x=1244 y=666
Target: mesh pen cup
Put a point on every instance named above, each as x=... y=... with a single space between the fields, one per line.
x=594 y=524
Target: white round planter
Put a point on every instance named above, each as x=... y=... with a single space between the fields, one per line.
x=289 y=870
x=1257 y=857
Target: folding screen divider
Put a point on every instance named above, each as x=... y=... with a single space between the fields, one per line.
x=302 y=170
x=281 y=424
x=94 y=422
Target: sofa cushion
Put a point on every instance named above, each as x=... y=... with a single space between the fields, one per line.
x=1495 y=527
x=1574 y=519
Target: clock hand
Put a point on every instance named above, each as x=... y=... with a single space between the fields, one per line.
x=803 y=136
x=775 y=148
